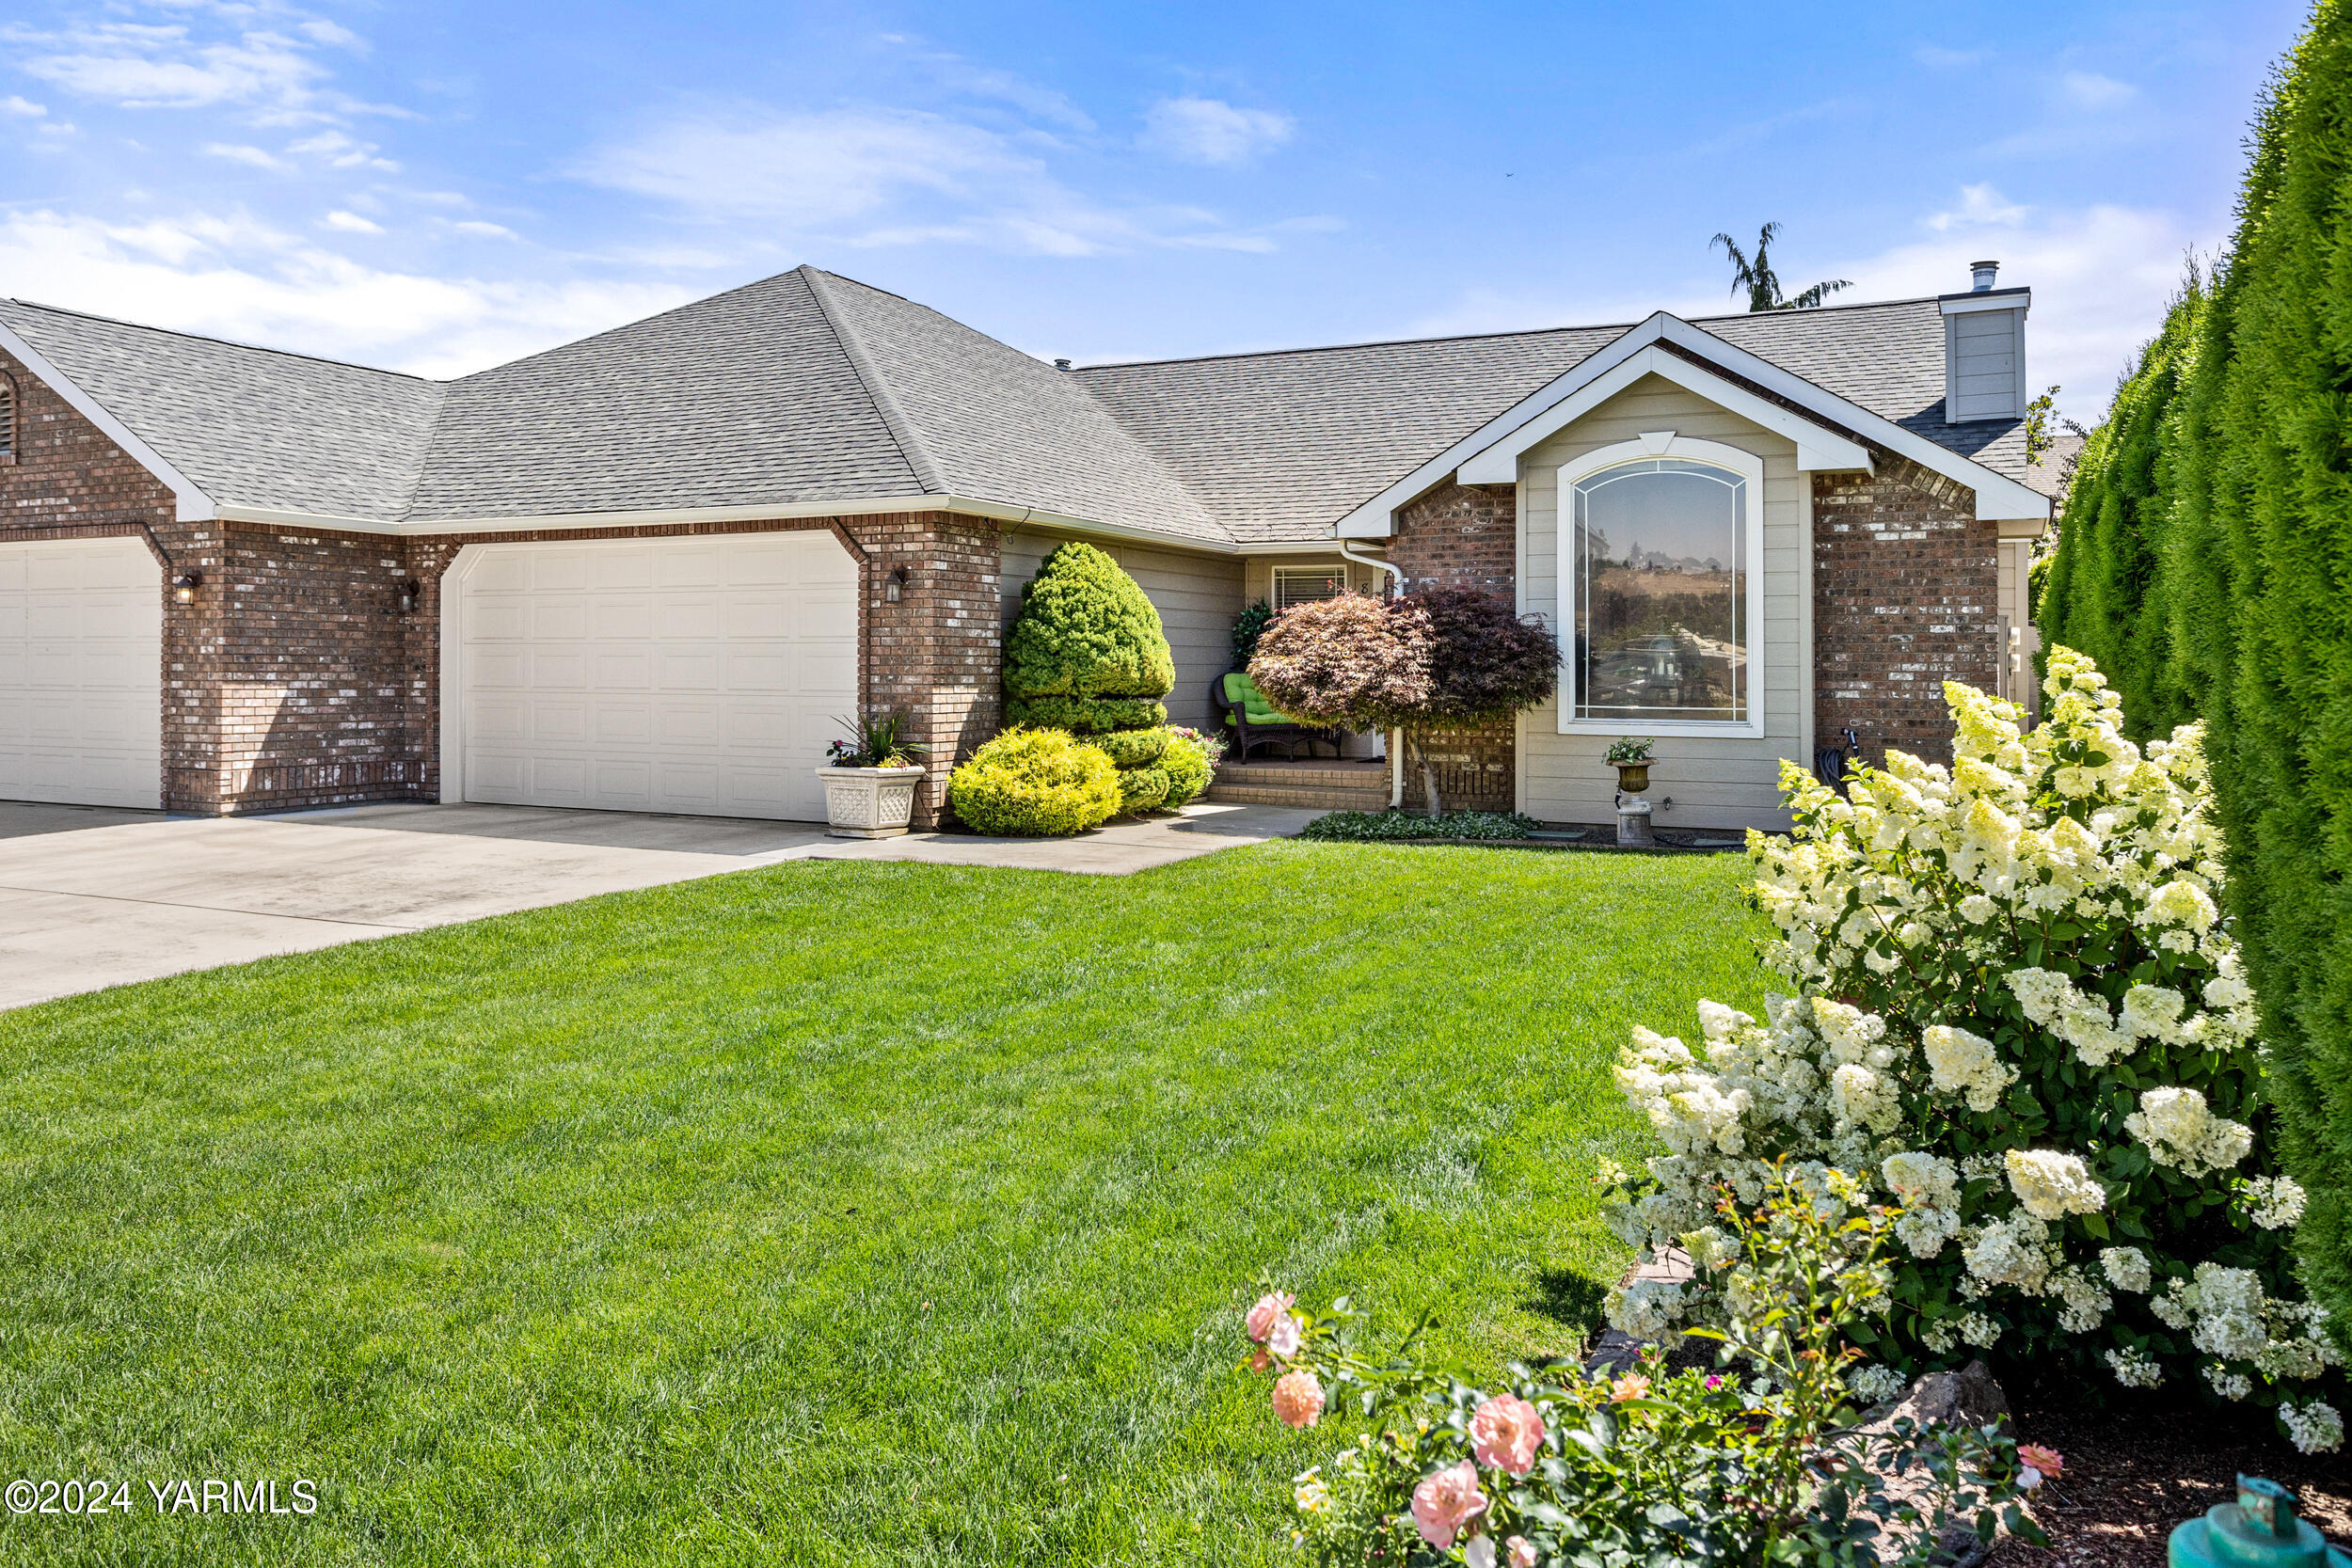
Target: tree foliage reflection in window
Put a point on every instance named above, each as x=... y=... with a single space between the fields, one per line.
x=1660 y=568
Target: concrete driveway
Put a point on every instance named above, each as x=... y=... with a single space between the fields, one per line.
x=93 y=897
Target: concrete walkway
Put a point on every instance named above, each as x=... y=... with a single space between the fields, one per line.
x=93 y=897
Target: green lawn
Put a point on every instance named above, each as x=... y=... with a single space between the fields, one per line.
x=828 y=1212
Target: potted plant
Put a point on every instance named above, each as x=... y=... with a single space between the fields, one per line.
x=870 y=782
x=1632 y=760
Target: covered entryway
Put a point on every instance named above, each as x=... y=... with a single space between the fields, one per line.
x=701 y=674
x=81 y=673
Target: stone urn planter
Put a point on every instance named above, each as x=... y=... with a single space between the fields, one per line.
x=869 y=802
x=1632 y=777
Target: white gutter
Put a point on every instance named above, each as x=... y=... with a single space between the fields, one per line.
x=1396 y=738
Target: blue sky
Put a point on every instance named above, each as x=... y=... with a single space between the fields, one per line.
x=441 y=187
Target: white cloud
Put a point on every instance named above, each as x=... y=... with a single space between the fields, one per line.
x=350 y=223
x=2087 y=89
x=24 y=108
x=236 y=277
x=2101 y=277
x=341 y=151
x=237 y=152
x=150 y=66
x=490 y=230
x=1211 y=130
x=876 y=177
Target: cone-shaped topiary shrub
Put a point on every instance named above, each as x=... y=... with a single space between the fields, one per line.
x=1086 y=653
x=1035 y=784
x=1086 y=715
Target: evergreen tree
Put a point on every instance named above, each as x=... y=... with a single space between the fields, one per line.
x=2268 y=497
x=1086 y=653
x=2103 y=593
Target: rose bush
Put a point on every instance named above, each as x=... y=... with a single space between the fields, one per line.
x=1757 y=1464
x=2019 y=1011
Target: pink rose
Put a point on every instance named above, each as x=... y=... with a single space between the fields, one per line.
x=1283 y=1338
x=1271 y=1308
x=1505 y=1432
x=1480 y=1553
x=1522 y=1551
x=1446 y=1501
x=1298 y=1399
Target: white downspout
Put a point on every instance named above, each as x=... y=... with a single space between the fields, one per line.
x=1396 y=738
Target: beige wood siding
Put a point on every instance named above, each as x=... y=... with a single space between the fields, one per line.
x=1197 y=597
x=1713 y=781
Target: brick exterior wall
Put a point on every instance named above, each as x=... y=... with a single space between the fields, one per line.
x=295 y=681
x=1463 y=536
x=1906 y=595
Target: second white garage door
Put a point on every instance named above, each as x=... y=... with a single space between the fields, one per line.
x=700 y=676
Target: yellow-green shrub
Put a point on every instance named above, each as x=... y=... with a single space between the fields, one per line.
x=1141 y=789
x=1188 y=767
x=1035 y=784
x=1132 y=749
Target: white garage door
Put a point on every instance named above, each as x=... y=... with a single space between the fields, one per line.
x=700 y=676
x=81 y=673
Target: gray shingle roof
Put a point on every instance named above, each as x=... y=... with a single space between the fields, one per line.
x=267 y=428
x=743 y=398
x=808 y=388
x=1281 y=445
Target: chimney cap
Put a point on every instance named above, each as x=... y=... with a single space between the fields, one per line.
x=1982 y=274
x=1061 y=364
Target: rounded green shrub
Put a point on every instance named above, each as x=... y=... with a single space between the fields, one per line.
x=1132 y=749
x=1035 y=784
x=1141 y=789
x=1086 y=715
x=1188 y=768
x=1085 y=630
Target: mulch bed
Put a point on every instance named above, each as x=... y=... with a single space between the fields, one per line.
x=2134 y=1473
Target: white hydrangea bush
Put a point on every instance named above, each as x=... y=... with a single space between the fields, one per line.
x=2017 y=1011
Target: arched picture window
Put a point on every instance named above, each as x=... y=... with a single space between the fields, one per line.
x=1659 y=562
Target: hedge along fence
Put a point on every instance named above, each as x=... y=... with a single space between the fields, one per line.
x=2233 y=480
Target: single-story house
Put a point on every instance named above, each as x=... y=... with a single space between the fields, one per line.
x=650 y=569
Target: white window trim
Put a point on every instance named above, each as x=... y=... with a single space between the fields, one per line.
x=1665 y=443
x=1274 y=579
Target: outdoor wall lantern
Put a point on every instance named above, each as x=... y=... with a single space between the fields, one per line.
x=409 y=592
x=184 y=586
x=894 y=585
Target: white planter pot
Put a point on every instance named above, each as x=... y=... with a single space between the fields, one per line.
x=869 y=802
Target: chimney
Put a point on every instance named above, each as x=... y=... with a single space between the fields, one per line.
x=1984 y=348
x=1061 y=364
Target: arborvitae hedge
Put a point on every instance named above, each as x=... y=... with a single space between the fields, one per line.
x=1088 y=653
x=2103 y=594
x=2211 y=540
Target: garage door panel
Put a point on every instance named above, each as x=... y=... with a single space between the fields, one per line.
x=81 y=665
x=695 y=675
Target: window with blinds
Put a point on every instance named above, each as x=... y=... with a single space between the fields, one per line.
x=1305 y=584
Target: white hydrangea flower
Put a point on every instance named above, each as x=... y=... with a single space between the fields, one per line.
x=2016 y=1251
x=2135 y=1368
x=1875 y=1384
x=2179 y=1131
x=2181 y=903
x=2153 y=1012
x=2229 y=1385
x=2274 y=1202
x=1979 y=1330
x=2126 y=1267
x=2052 y=1184
x=2315 y=1428
x=2085 y=1305
x=1648 y=1309
x=1965 y=1064
x=1978 y=910
x=1863 y=1097
x=1940 y=1337
x=2042 y=993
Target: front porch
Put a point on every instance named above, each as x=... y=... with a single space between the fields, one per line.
x=1319 y=784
